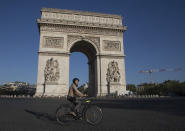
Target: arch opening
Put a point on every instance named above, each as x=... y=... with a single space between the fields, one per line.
x=89 y=50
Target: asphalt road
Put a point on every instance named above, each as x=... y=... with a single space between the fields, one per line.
x=34 y=114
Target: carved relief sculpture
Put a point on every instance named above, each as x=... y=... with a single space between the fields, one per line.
x=113 y=74
x=53 y=42
x=51 y=71
x=111 y=45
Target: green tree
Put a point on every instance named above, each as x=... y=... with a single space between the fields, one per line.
x=131 y=87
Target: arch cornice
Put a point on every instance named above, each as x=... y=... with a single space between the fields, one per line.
x=82 y=29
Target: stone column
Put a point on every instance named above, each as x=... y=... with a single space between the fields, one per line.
x=113 y=75
x=92 y=88
x=54 y=84
x=98 y=73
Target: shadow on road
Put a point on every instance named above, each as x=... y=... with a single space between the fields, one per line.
x=46 y=117
x=40 y=115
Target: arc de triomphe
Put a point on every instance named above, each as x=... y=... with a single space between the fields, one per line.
x=98 y=36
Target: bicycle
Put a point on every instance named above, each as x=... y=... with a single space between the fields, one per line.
x=86 y=111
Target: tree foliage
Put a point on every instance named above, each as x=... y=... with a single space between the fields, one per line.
x=169 y=87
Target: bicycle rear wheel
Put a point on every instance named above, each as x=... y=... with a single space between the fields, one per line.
x=61 y=115
x=93 y=115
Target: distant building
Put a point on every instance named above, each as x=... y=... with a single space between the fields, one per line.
x=15 y=85
x=18 y=88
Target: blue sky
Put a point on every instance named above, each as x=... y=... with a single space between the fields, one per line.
x=155 y=37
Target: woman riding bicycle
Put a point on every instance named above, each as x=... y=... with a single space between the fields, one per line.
x=73 y=94
x=80 y=109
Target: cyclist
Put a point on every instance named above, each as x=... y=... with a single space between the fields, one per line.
x=73 y=94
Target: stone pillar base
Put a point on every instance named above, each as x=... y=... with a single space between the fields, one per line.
x=116 y=88
x=51 y=90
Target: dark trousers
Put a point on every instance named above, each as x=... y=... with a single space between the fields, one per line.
x=74 y=104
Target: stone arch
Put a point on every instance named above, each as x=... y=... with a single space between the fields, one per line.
x=99 y=36
x=90 y=50
x=72 y=42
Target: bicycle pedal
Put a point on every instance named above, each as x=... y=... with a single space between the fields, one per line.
x=78 y=118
